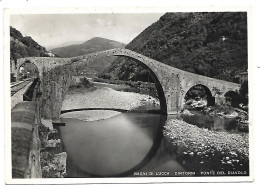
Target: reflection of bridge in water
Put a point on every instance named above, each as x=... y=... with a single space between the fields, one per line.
x=111 y=109
x=56 y=75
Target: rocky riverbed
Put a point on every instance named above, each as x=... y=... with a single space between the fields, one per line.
x=226 y=111
x=203 y=150
x=104 y=97
x=53 y=158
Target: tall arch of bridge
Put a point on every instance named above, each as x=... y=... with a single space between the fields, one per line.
x=56 y=75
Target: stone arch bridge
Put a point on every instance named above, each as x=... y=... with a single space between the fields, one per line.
x=56 y=75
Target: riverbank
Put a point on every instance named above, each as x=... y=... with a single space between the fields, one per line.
x=52 y=155
x=103 y=97
x=140 y=86
x=226 y=111
x=204 y=150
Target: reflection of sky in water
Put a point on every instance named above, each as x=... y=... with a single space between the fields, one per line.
x=112 y=146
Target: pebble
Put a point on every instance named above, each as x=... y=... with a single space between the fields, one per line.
x=208 y=143
x=229 y=162
x=104 y=98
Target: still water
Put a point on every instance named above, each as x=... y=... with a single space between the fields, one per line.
x=214 y=123
x=119 y=146
x=128 y=144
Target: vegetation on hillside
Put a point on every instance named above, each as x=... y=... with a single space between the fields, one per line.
x=21 y=46
x=211 y=44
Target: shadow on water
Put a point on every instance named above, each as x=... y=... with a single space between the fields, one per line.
x=136 y=141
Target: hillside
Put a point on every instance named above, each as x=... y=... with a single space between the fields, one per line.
x=93 y=45
x=21 y=46
x=210 y=44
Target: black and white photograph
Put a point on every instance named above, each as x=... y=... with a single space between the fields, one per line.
x=128 y=95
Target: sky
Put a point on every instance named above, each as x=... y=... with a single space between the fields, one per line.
x=54 y=30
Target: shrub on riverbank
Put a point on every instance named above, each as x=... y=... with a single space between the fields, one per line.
x=110 y=81
x=203 y=150
x=142 y=87
x=83 y=83
x=218 y=110
x=230 y=112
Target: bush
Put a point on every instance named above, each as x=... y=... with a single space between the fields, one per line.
x=86 y=82
x=105 y=76
x=243 y=92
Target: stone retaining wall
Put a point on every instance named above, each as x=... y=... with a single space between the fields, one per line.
x=24 y=141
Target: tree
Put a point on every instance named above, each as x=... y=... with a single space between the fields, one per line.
x=213 y=44
x=243 y=91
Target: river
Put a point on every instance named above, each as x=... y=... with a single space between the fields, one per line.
x=128 y=144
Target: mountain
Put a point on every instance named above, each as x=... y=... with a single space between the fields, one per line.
x=211 y=44
x=67 y=43
x=21 y=46
x=95 y=44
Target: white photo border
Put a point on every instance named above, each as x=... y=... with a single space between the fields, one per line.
x=7 y=100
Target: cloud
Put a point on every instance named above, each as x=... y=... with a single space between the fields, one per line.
x=104 y=23
x=51 y=30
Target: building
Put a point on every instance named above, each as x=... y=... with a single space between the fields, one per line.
x=243 y=77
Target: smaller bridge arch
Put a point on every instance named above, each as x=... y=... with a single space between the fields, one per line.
x=207 y=91
x=232 y=97
x=35 y=68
